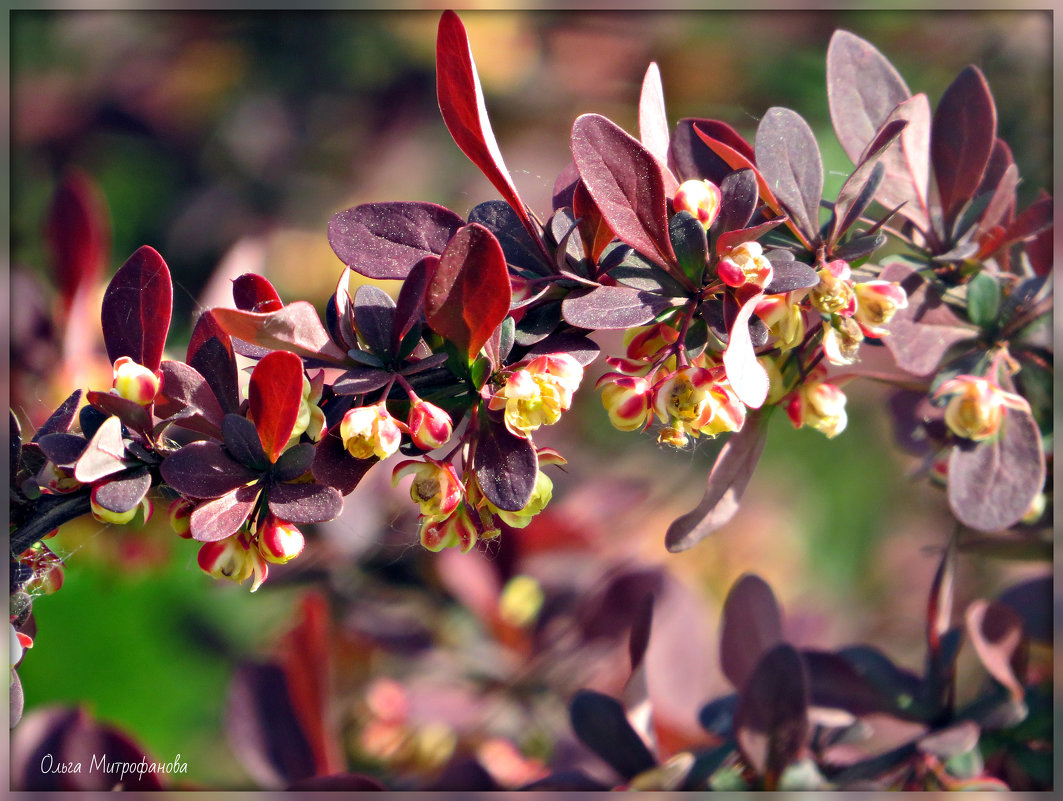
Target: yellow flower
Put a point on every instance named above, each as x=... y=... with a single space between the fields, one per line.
x=536 y=395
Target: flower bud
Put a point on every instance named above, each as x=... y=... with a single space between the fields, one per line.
x=841 y=340
x=627 y=400
x=745 y=263
x=819 y=405
x=134 y=382
x=456 y=530
x=181 y=517
x=436 y=487
x=430 y=427
x=700 y=198
x=834 y=293
x=232 y=558
x=279 y=541
x=876 y=303
x=976 y=409
x=370 y=431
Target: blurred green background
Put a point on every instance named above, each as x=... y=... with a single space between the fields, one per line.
x=210 y=130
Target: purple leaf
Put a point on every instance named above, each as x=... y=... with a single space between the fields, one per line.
x=210 y=353
x=468 y=292
x=579 y=347
x=104 y=454
x=862 y=89
x=771 y=719
x=992 y=484
x=296 y=328
x=996 y=632
x=601 y=724
x=185 y=393
x=836 y=684
x=62 y=450
x=222 y=517
x=750 y=625
x=339 y=314
x=243 y=442
x=263 y=729
x=727 y=481
x=747 y=376
x=730 y=239
x=907 y=163
x=653 y=121
x=738 y=159
x=594 y=230
x=921 y=333
x=612 y=307
x=334 y=466
x=862 y=184
x=60 y=420
x=131 y=413
x=961 y=140
x=136 y=309
x=738 y=200
x=385 y=240
x=275 y=395
x=360 y=379
x=461 y=103
x=788 y=274
x=1032 y=599
x=506 y=466
x=204 y=470
x=374 y=315
x=254 y=293
x=689 y=158
x=305 y=503
x=626 y=183
x=788 y=158
x=522 y=251
x=294 y=462
x=77 y=233
x=125 y=491
x=409 y=307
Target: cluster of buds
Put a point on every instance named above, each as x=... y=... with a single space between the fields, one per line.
x=454 y=513
x=372 y=431
x=249 y=552
x=690 y=401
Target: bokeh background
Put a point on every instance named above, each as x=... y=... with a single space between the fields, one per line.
x=226 y=141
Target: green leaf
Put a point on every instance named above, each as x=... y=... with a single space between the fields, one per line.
x=983 y=300
x=690 y=244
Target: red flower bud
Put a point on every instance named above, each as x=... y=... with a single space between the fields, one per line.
x=430 y=427
x=279 y=541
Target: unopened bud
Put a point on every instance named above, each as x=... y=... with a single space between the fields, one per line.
x=700 y=198
x=135 y=382
x=430 y=427
x=279 y=541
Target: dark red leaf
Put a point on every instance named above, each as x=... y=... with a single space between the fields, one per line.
x=738 y=200
x=579 y=347
x=136 y=309
x=374 y=315
x=601 y=724
x=339 y=314
x=204 y=470
x=253 y=293
x=409 y=307
x=186 y=396
x=360 y=379
x=921 y=333
x=862 y=89
x=522 y=251
x=1036 y=219
x=275 y=395
x=727 y=481
x=61 y=419
x=1032 y=599
x=771 y=719
x=243 y=443
x=385 y=240
x=506 y=466
x=222 y=517
x=62 y=450
x=939 y=612
x=836 y=684
x=996 y=631
x=862 y=184
x=746 y=375
x=461 y=103
x=961 y=140
x=294 y=462
x=334 y=466
x=77 y=232
x=738 y=160
x=730 y=239
x=104 y=454
x=296 y=328
x=750 y=625
x=124 y=491
x=468 y=293
x=131 y=413
x=787 y=274
x=788 y=158
x=906 y=183
x=594 y=230
x=992 y=484
x=305 y=503
x=210 y=353
x=626 y=183
x=263 y=730
x=612 y=307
